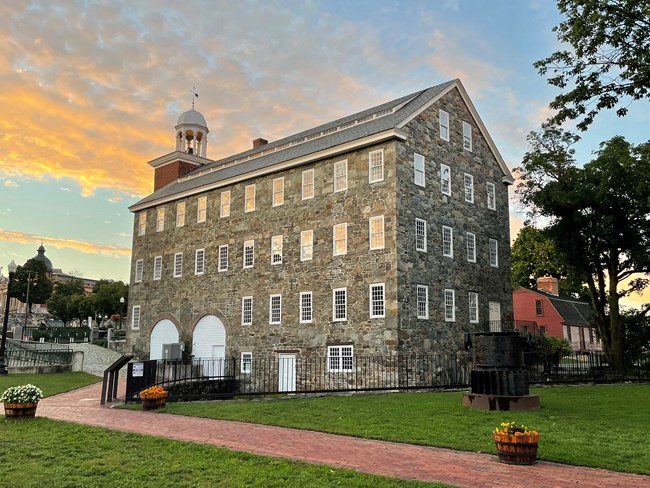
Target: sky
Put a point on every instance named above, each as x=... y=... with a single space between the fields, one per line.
x=90 y=92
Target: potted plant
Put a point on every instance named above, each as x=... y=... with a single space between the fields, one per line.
x=153 y=398
x=21 y=401
x=516 y=443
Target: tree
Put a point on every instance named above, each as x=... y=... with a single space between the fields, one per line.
x=599 y=217
x=534 y=254
x=64 y=302
x=609 y=59
x=108 y=294
x=33 y=272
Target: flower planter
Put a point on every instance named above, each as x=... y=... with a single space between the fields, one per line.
x=517 y=449
x=20 y=410
x=153 y=403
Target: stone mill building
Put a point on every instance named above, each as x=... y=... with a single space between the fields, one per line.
x=384 y=232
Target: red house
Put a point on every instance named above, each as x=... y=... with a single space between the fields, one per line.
x=555 y=315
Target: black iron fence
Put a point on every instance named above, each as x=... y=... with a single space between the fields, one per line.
x=16 y=357
x=223 y=378
x=57 y=335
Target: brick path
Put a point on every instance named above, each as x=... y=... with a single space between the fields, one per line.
x=463 y=469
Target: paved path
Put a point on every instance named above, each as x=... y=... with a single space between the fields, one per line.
x=463 y=469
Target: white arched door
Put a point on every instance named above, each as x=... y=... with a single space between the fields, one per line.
x=209 y=345
x=164 y=332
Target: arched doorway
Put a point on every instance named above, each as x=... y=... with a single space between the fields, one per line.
x=209 y=344
x=164 y=332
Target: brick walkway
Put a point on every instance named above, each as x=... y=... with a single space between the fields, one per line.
x=463 y=469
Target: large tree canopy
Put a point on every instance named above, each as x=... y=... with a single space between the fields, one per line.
x=31 y=276
x=608 y=63
x=599 y=216
x=535 y=255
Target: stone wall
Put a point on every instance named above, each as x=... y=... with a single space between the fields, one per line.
x=431 y=268
x=185 y=299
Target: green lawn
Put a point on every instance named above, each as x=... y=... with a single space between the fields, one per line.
x=599 y=426
x=42 y=452
x=50 y=383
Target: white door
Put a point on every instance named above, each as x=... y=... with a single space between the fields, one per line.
x=209 y=345
x=495 y=317
x=164 y=332
x=287 y=372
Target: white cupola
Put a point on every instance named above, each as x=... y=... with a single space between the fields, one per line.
x=192 y=133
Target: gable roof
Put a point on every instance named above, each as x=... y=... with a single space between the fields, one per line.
x=376 y=124
x=572 y=311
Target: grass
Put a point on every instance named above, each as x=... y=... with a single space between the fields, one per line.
x=43 y=452
x=50 y=383
x=599 y=426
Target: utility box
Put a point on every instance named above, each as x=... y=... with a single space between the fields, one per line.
x=173 y=350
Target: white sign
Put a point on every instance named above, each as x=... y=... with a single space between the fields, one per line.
x=138 y=370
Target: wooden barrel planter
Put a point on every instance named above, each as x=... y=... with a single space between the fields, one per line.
x=517 y=449
x=20 y=410
x=153 y=403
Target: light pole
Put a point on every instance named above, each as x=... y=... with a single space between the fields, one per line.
x=12 y=269
x=27 y=307
x=121 y=313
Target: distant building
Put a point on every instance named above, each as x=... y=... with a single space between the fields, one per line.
x=555 y=315
x=384 y=232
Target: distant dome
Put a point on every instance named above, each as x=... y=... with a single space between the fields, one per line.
x=192 y=117
x=42 y=258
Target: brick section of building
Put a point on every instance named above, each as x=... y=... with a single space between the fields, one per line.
x=164 y=175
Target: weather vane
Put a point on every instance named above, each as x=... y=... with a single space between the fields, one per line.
x=194 y=95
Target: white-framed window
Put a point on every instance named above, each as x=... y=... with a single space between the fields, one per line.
x=160 y=219
x=224 y=208
x=471 y=247
x=202 y=209
x=473 y=307
x=157 y=267
x=340 y=237
x=276 y=249
x=223 y=257
x=421 y=235
x=249 y=253
x=246 y=362
x=491 y=196
x=339 y=304
x=445 y=179
x=275 y=309
x=135 y=317
x=142 y=223
x=139 y=268
x=447 y=241
x=450 y=306
x=467 y=136
x=444 y=125
x=180 y=214
x=376 y=166
x=249 y=198
x=341 y=175
x=246 y=310
x=308 y=184
x=494 y=253
x=377 y=301
x=278 y=191
x=418 y=169
x=376 y=231
x=307 y=245
x=539 y=308
x=178 y=264
x=339 y=359
x=469 y=188
x=423 y=301
x=199 y=261
x=306 y=307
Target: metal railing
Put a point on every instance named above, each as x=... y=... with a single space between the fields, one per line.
x=59 y=335
x=27 y=355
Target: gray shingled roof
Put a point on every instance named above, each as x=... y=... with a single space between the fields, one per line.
x=209 y=174
x=572 y=311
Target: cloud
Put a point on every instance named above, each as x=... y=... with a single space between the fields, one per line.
x=85 y=247
x=10 y=184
